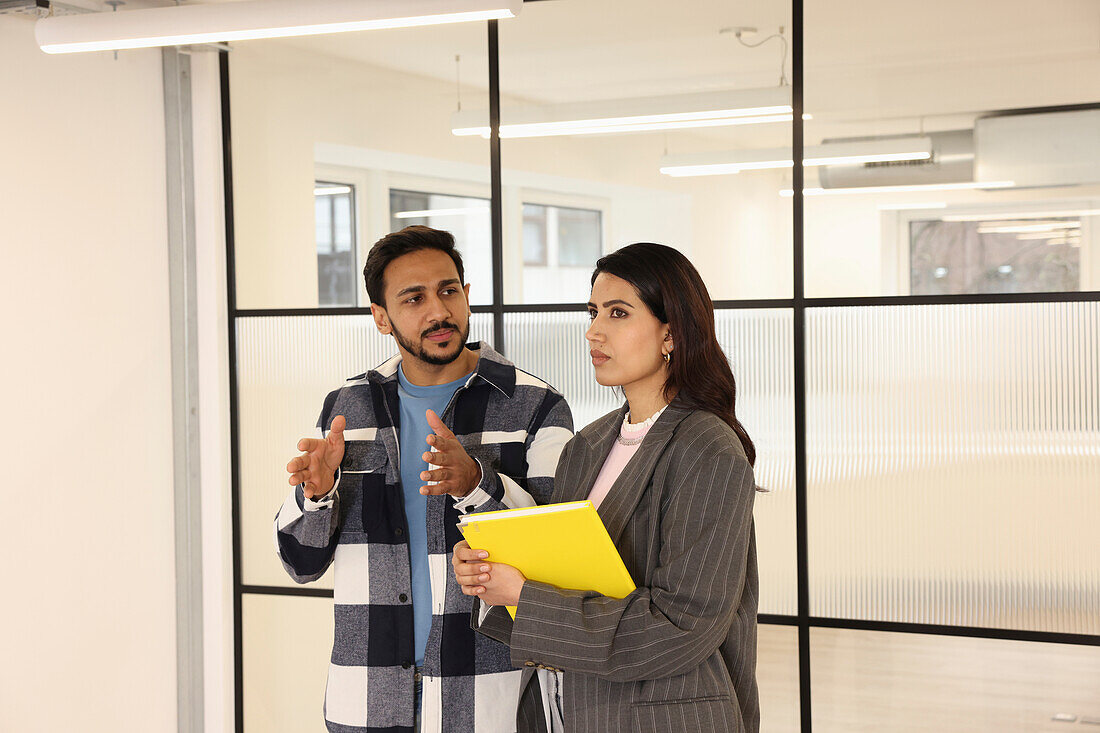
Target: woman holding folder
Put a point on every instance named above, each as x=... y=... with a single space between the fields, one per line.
x=671 y=475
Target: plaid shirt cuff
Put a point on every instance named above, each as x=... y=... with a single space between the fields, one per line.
x=326 y=501
x=489 y=487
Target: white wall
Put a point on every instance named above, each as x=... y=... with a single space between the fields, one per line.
x=88 y=639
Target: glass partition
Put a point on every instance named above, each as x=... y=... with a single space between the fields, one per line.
x=869 y=680
x=946 y=149
x=953 y=464
x=617 y=111
x=358 y=121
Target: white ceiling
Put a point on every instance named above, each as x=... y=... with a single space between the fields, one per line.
x=864 y=59
x=567 y=50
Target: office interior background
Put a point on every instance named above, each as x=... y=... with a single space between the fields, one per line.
x=916 y=340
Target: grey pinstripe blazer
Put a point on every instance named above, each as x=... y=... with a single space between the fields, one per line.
x=679 y=653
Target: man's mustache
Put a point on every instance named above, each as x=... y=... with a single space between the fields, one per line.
x=439 y=327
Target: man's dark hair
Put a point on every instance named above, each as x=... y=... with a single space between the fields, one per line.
x=393 y=245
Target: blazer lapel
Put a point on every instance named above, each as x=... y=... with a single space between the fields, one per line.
x=626 y=492
x=586 y=461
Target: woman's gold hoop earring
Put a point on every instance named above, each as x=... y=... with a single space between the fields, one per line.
x=668 y=357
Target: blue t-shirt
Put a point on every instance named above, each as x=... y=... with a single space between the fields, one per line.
x=415 y=401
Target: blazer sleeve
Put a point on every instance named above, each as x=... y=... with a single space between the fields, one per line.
x=670 y=627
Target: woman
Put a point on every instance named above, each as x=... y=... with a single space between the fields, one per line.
x=671 y=475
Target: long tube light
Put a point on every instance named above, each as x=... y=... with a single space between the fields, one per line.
x=842 y=153
x=181 y=25
x=914 y=188
x=464 y=211
x=1070 y=233
x=1060 y=226
x=641 y=114
x=913 y=206
x=1011 y=215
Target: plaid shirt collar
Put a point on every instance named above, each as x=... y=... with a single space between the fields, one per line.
x=492 y=368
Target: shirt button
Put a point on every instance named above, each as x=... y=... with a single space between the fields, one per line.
x=399 y=531
x=529 y=664
x=402 y=598
x=405 y=665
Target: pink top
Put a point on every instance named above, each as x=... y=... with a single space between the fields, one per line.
x=619 y=456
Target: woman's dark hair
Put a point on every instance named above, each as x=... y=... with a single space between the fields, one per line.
x=672 y=289
x=393 y=245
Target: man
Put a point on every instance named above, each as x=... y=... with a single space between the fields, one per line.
x=404 y=656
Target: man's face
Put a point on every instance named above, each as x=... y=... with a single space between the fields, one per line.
x=427 y=308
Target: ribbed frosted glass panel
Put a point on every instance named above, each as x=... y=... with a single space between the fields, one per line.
x=759 y=346
x=285 y=367
x=285 y=653
x=758 y=343
x=954 y=464
x=918 y=683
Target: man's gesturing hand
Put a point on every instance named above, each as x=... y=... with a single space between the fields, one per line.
x=316 y=467
x=456 y=473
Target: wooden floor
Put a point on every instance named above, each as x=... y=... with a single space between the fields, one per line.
x=868 y=681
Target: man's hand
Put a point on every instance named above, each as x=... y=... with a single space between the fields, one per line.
x=316 y=467
x=496 y=584
x=456 y=473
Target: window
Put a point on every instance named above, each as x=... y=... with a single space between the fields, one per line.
x=995 y=256
x=334 y=216
x=560 y=236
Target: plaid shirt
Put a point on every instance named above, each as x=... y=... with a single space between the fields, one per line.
x=515 y=426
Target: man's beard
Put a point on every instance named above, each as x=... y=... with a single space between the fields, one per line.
x=417 y=350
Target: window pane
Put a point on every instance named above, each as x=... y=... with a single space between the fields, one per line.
x=878 y=681
x=336 y=266
x=534 y=235
x=285 y=367
x=578 y=237
x=1006 y=256
x=929 y=129
x=322 y=207
x=953 y=464
x=341 y=225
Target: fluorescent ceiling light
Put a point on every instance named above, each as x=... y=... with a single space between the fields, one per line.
x=912 y=206
x=642 y=114
x=914 y=188
x=1050 y=235
x=1071 y=241
x=465 y=211
x=1053 y=226
x=180 y=25
x=331 y=190
x=839 y=153
x=1003 y=215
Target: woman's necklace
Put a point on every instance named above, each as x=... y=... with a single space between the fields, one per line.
x=642 y=427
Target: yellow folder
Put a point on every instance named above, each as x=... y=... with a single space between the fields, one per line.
x=564 y=545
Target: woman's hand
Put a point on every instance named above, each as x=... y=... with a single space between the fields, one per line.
x=496 y=584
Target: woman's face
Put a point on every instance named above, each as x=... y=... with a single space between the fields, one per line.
x=627 y=342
